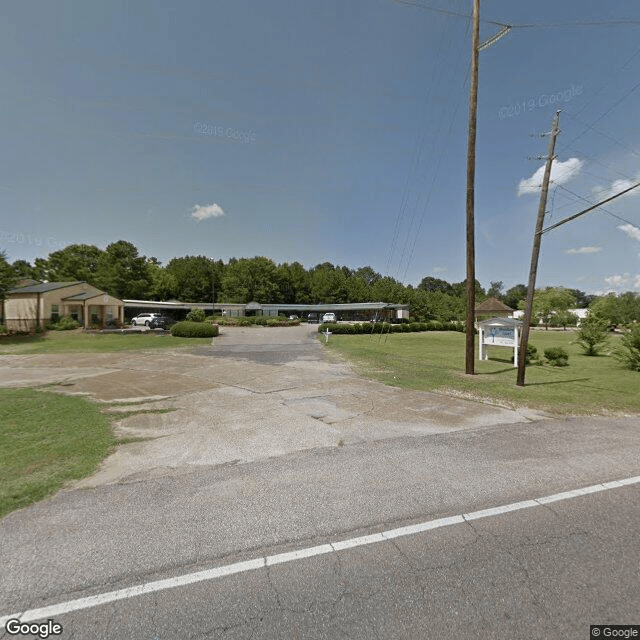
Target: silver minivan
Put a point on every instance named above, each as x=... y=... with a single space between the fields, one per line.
x=329 y=317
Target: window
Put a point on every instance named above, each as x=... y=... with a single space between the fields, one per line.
x=54 y=313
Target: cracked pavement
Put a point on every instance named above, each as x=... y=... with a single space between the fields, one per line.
x=272 y=447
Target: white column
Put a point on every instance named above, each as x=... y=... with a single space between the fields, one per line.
x=481 y=336
x=515 y=349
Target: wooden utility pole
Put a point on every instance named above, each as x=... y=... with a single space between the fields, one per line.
x=471 y=170
x=537 y=238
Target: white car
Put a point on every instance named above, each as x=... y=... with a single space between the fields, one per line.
x=144 y=319
x=329 y=317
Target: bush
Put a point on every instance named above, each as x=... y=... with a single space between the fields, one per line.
x=532 y=355
x=190 y=329
x=592 y=335
x=628 y=353
x=556 y=356
x=66 y=323
x=3 y=329
x=195 y=315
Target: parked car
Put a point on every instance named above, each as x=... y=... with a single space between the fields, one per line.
x=329 y=317
x=293 y=316
x=144 y=319
x=313 y=318
x=161 y=322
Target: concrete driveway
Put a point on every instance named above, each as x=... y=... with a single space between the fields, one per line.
x=255 y=393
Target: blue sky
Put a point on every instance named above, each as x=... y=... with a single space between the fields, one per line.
x=321 y=130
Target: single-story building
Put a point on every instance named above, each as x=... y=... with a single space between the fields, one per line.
x=34 y=303
x=344 y=311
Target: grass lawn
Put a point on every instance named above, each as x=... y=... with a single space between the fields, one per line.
x=77 y=341
x=435 y=361
x=47 y=439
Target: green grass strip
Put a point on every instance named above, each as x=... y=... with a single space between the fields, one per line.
x=46 y=440
x=435 y=361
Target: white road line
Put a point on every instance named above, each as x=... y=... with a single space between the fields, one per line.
x=290 y=556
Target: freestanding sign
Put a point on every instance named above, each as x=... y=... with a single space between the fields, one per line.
x=499 y=332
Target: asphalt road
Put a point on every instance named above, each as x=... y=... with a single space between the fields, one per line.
x=547 y=571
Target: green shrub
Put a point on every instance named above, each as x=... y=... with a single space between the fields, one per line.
x=66 y=323
x=532 y=355
x=190 y=329
x=195 y=315
x=628 y=352
x=3 y=329
x=557 y=356
x=592 y=335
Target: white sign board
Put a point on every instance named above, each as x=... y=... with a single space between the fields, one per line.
x=500 y=336
x=499 y=333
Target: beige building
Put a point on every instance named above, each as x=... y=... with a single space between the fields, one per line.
x=38 y=303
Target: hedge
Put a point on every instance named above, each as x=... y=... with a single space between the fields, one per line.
x=187 y=329
x=247 y=321
x=385 y=327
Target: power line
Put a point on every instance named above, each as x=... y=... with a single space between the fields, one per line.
x=602 y=115
x=541 y=25
x=601 y=208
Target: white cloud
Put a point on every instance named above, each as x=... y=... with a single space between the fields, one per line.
x=618 y=280
x=632 y=231
x=208 y=211
x=602 y=193
x=579 y=250
x=561 y=172
x=439 y=269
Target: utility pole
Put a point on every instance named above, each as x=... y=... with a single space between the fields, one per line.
x=471 y=170
x=535 y=252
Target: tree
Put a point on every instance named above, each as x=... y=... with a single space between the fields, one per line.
x=515 y=295
x=435 y=285
x=190 y=279
x=592 y=335
x=495 y=289
x=22 y=270
x=628 y=352
x=7 y=276
x=250 y=279
x=583 y=300
x=122 y=272
x=74 y=262
x=549 y=302
x=617 y=310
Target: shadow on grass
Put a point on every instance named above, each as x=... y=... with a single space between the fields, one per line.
x=537 y=384
x=491 y=373
x=20 y=340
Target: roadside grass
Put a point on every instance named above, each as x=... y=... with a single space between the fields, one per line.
x=47 y=439
x=435 y=361
x=77 y=341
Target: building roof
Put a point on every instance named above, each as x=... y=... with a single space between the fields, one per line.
x=491 y=305
x=501 y=322
x=354 y=306
x=43 y=287
x=83 y=295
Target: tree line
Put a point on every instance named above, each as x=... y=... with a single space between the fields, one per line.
x=123 y=272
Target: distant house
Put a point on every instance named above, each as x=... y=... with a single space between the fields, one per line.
x=492 y=307
x=36 y=303
x=580 y=313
